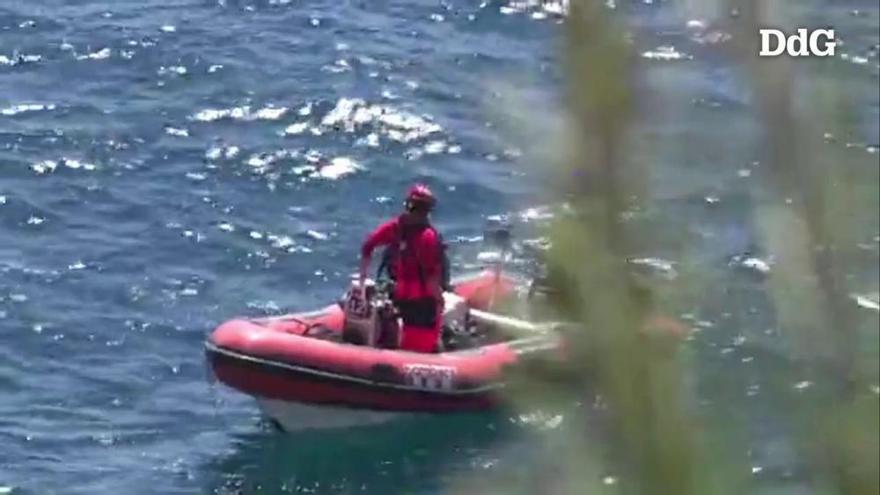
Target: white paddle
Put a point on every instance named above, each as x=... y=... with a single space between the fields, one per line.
x=510 y=322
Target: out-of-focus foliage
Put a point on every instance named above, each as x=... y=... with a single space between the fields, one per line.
x=809 y=209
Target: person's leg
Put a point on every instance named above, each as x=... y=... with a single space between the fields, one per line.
x=419 y=339
x=421 y=325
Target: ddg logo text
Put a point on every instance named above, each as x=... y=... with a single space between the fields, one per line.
x=803 y=43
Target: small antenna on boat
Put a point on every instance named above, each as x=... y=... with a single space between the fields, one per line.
x=497 y=235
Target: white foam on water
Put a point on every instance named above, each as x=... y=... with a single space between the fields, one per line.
x=213 y=114
x=280 y=241
x=539 y=419
x=803 y=385
x=856 y=59
x=435 y=147
x=19 y=59
x=560 y=7
x=243 y=113
x=756 y=264
x=74 y=164
x=179 y=70
x=338 y=66
x=867 y=301
x=222 y=152
x=663 y=267
x=666 y=53
x=45 y=166
x=101 y=54
x=296 y=128
x=536 y=213
x=371 y=140
x=710 y=37
x=540 y=244
x=263 y=160
x=313 y=156
x=304 y=169
x=538 y=9
x=339 y=167
x=27 y=107
x=270 y=113
x=352 y=114
x=189 y=291
x=489 y=256
x=174 y=131
x=697 y=24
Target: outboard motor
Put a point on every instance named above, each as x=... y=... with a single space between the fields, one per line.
x=370 y=320
x=457 y=328
x=497 y=234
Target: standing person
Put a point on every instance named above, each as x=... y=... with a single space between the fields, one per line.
x=416 y=263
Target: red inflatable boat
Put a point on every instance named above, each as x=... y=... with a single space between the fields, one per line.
x=302 y=359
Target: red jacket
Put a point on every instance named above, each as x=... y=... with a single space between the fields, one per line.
x=418 y=261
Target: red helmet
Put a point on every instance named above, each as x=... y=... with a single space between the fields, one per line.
x=420 y=195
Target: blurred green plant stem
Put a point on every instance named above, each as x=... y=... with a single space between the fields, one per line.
x=654 y=438
x=812 y=214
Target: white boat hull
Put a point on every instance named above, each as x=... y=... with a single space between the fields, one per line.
x=297 y=416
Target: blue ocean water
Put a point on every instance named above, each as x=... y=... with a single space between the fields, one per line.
x=167 y=165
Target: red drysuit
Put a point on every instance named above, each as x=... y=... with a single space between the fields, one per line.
x=416 y=265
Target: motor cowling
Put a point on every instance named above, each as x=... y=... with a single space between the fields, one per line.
x=455 y=310
x=369 y=317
